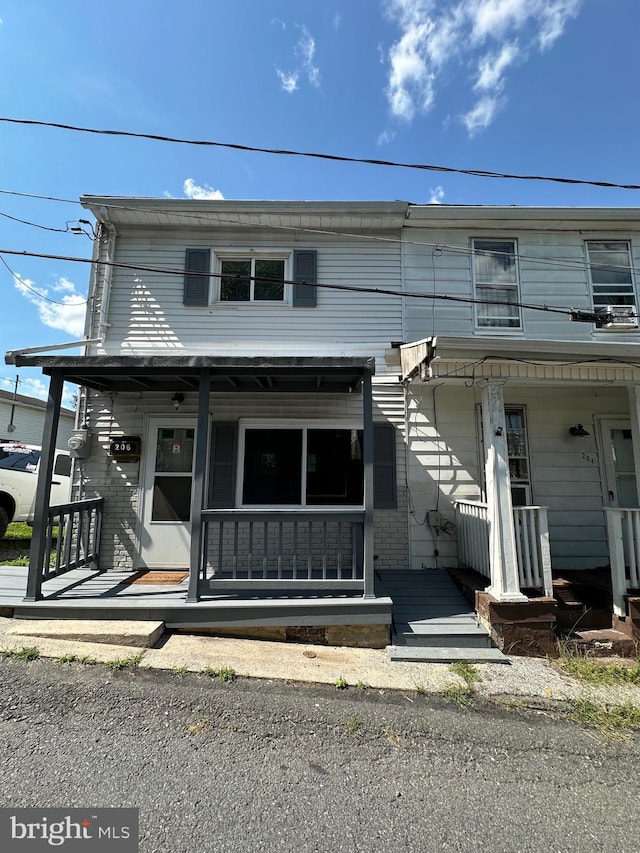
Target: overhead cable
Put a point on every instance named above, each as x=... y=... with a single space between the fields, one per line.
x=477 y=173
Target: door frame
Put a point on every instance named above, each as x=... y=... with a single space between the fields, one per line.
x=147 y=466
x=604 y=424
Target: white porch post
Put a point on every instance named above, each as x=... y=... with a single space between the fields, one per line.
x=633 y=392
x=505 y=582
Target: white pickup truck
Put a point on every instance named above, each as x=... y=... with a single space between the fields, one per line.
x=19 y=464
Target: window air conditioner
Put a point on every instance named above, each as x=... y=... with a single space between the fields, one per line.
x=617 y=317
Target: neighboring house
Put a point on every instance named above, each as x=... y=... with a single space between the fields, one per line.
x=264 y=407
x=22 y=420
x=512 y=406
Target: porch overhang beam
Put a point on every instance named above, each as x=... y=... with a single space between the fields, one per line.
x=166 y=373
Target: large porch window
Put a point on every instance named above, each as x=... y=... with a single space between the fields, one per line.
x=301 y=466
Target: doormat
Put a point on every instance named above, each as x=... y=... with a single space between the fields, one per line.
x=158 y=576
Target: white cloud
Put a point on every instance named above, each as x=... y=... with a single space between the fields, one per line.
x=385 y=137
x=492 y=66
x=32 y=387
x=437 y=195
x=490 y=35
x=337 y=21
x=192 y=190
x=288 y=82
x=67 y=310
x=482 y=114
x=304 y=51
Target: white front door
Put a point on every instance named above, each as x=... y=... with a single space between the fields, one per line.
x=619 y=468
x=166 y=510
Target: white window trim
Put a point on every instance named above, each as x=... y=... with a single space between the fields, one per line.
x=298 y=423
x=220 y=255
x=492 y=331
x=610 y=239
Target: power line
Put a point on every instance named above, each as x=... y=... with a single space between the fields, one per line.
x=32 y=289
x=436 y=247
x=477 y=173
x=344 y=287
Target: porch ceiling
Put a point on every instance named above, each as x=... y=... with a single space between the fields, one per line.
x=182 y=373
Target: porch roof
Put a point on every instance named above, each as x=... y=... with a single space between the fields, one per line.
x=326 y=374
x=521 y=358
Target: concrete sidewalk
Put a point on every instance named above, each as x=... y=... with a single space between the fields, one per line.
x=529 y=678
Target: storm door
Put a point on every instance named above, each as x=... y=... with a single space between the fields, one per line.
x=165 y=530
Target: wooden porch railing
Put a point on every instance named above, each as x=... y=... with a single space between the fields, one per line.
x=78 y=540
x=282 y=548
x=532 y=543
x=623 y=534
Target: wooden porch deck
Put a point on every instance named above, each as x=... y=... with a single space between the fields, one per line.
x=88 y=594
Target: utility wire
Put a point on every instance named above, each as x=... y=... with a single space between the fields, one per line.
x=37 y=292
x=478 y=173
x=439 y=248
x=345 y=287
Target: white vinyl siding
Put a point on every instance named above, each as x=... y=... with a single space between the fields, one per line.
x=146 y=314
x=553 y=271
x=565 y=472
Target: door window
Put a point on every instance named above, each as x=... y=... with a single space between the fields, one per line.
x=173 y=474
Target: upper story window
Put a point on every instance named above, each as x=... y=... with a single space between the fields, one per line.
x=252 y=279
x=276 y=277
x=610 y=270
x=495 y=277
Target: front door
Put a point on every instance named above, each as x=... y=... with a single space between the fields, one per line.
x=166 y=512
x=619 y=467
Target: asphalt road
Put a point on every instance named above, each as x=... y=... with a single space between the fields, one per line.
x=259 y=766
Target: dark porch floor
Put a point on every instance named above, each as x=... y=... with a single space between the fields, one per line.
x=87 y=594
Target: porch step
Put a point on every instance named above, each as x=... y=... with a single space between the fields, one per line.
x=445 y=654
x=432 y=620
x=442 y=634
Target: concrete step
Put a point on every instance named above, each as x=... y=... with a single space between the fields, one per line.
x=117 y=632
x=443 y=635
x=445 y=654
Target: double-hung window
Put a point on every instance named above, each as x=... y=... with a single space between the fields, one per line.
x=252 y=279
x=495 y=277
x=517 y=452
x=301 y=466
x=610 y=271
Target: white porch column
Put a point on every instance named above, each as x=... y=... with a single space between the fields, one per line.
x=505 y=583
x=633 y=392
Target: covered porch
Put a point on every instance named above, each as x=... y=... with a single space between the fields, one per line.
x=554 y=420
x=295 y=565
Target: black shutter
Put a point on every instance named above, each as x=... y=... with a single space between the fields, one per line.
x=384 y=466
x=222 y=466
x=196 y=287
x=305 y=268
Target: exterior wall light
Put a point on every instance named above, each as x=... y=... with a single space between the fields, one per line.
x=578 y=430
x=177 y=399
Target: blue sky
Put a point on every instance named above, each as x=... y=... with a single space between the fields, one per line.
x=527 y=86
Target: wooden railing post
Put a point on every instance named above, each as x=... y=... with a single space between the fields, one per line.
x=616 y=559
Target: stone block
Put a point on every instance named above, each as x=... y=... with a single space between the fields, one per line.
x=358 y=636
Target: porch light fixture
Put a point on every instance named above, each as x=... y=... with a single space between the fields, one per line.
x=177 y=399
x=578 y=430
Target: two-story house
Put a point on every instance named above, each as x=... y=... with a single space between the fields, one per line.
x=243 y=408
x=284 y=397
x=523 y=392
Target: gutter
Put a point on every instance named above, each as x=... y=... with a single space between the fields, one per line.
x=11 y=356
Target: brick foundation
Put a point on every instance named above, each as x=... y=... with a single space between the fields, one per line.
x=519 y=628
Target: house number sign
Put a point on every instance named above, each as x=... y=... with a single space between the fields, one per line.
x=125 y=448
